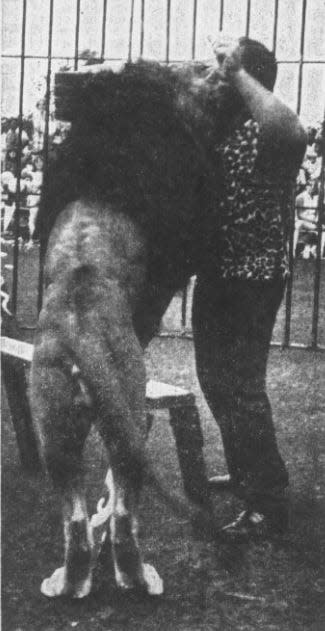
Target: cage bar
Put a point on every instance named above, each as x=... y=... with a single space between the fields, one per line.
x=142 y=27
x=302 y=51
x=19 y=152
x=131 y=30
x=76 y=44
x=103 y=42
x=275 y=24
x=220 y=8
x=46 y=144
x=221 y=14
x=320 y=228
x=168 y=30
x=248 y=17
x=288 y=296
x=194 y=28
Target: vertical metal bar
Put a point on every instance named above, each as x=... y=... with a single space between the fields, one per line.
x=317 y=277
x=131 y=30
x=18 y=165
x=302 y=52
x=275 y=24
x=46 y=144
x=142 y=27
x=76 y=41
x=221 y=15
x=168 y=30
x=184 y=308
x=288 y=305
x=248 y=18
x=103 y=44
x=194 y=28
x=288 y=298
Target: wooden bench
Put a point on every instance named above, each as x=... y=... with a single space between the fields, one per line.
x=180 y=403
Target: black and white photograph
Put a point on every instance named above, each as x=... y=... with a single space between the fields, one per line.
x=163 y=315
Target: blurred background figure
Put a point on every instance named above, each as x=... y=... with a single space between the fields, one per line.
x=306 y=220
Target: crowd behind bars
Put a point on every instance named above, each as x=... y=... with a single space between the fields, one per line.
x=32 y=162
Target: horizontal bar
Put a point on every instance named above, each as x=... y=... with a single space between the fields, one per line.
x=188 y=335
x=16 y=348
x=69 y=58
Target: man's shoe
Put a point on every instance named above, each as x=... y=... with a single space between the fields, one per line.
x=221 y=483
x=251 y=525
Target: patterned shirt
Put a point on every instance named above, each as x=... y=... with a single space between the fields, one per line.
x=252 y=243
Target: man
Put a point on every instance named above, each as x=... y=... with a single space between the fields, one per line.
x=241 y=284
x=306 y=220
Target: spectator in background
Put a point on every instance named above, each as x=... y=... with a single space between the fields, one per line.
x=306 y=220
x=12 y=143
x=312 y=163
x=8 y=195
x=307 y=200
x=34 y=189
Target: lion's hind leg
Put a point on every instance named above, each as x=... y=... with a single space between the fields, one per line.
x=124 y=481
x=63 y=421
x=74 y=578
x=130 y=571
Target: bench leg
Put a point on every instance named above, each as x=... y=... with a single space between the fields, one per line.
x=14 y=380
x=185 y=423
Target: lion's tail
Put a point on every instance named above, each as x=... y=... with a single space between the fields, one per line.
x=111 y=362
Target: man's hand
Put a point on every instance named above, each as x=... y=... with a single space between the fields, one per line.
x=228 y=55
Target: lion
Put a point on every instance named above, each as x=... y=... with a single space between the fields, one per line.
x=128 y=203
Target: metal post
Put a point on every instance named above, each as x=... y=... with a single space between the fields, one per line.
x=288 y=299
x=168 y=31
x=288 y=304
x=46 y=144
x=221 y=14
x=248 y=17
x=18 y=164
x=76 y=44
x=275 y=24
x=184 y=308
x=321 y=211
x=302 y=52
x=142 y=28
x=194 y=28
x=103 y=44
x=131 y=30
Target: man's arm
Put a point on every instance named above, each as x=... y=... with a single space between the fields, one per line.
x=282 y=134
x=280 y=126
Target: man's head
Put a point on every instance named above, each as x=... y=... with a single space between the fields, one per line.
x=249 y=54
x=258 y=61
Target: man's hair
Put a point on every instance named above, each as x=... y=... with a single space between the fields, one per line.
x=258 y=61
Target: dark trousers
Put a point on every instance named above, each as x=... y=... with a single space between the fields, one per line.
x=232 y=324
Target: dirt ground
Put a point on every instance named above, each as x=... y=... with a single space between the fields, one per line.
x=276 y=586
x=266 y=586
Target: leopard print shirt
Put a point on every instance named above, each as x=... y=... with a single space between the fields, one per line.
x=252 y=243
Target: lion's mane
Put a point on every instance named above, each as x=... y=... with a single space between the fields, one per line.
x=142 y=140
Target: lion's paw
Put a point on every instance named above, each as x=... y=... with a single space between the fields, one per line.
x=153 y=582
x=57 y=585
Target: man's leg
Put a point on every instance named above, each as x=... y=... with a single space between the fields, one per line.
x=233 y=323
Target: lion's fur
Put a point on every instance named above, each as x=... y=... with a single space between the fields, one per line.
x=128 y=202
x=143 y=139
